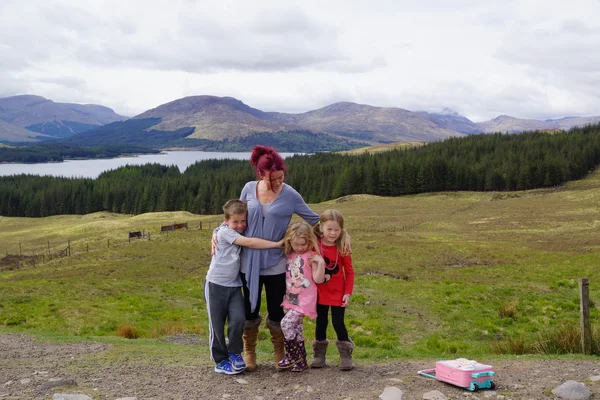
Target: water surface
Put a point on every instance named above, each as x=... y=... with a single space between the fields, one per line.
x=93 y=168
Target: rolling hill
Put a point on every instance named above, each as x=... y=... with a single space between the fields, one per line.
x=54 y=119
x=14 y=133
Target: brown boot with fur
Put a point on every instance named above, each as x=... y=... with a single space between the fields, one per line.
x=345 y=348
x=319 y=351
x=277 y=340
x=250 y=337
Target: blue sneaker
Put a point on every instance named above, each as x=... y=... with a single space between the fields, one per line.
x=237 y=362
x=224 y=367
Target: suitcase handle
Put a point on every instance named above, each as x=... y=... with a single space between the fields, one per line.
x=482 y=374
x=427 y=373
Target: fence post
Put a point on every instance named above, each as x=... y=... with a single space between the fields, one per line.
x=69 y=247
x=107 y=242
x=586 y=328
x=48 y=249
x=20 y=250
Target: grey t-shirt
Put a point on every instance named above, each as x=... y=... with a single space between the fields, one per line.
x=225 y=264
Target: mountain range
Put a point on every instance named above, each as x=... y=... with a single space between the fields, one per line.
x=33 y=118
x=209 y=121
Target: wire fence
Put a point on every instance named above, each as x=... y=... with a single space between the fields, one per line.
x=31 y=254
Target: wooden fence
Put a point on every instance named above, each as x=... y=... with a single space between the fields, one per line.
x=45 y=251
x=174 y=227
x=143 y=234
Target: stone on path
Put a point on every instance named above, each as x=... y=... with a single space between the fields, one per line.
x=64 y=396
x=127 y=398
x=595 y=378
x=572 y=390
x=434 y=395
x=391 y=393
x=58 y=382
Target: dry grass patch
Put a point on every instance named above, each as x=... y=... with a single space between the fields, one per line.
x=127 y=331
x=507 y=310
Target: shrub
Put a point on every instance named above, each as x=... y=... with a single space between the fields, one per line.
x=507 y=310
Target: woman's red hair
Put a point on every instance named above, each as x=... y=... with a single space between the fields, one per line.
x=266 y=160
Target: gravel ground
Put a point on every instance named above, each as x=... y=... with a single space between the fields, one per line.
x=28 y=368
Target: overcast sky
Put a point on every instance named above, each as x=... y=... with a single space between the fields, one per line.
x=482 y=58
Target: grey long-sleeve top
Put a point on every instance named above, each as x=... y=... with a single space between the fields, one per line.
x=269 y=222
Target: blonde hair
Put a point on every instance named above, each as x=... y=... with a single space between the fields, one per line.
x=300 y=230
x=343 y=241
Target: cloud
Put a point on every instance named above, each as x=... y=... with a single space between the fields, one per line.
x=280 y=40
x=525 y=58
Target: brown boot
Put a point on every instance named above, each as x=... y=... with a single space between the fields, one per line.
x=345 y=348
x=250 y=336
x=319 y=351
x=276 y=339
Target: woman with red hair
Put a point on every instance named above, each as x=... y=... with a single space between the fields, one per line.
x=271 y=204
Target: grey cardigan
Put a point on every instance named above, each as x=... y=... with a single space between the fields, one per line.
x=271 y=225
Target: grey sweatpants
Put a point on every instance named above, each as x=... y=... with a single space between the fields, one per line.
x=224 y=304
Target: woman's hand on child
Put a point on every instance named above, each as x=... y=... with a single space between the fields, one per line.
x=345 y=300
x=213 y=245
x=281 y=243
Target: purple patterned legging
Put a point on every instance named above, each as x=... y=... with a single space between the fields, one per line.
x=292 y=326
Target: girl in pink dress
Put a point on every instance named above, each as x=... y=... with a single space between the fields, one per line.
x=304 y=268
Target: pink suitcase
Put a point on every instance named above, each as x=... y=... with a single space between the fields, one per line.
x=468 y=374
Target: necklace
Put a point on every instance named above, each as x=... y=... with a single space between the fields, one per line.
x=267 y=195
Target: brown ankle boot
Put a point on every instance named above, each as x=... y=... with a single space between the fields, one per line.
x=345 y=348
x=319 y=351
x=276 y=339
x=250 y=336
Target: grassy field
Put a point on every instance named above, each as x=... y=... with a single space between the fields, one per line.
x=383 y=147
x=438 y=275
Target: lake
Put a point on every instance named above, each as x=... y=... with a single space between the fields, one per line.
x=93 y=168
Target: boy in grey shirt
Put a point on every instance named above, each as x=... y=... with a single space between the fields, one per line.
x=223 y=293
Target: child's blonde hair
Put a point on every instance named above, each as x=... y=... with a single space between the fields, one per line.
x=300 y=230
x=343 y=241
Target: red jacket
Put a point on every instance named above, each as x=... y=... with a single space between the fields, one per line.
x=339 y=269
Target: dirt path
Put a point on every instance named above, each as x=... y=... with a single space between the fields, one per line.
x=26 y=366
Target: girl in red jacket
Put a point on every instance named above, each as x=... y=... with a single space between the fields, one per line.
x=335 y=292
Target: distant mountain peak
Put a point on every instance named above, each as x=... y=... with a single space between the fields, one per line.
x=447 y=111
x=191 y=105
x=23 y=100
x=43 y=116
